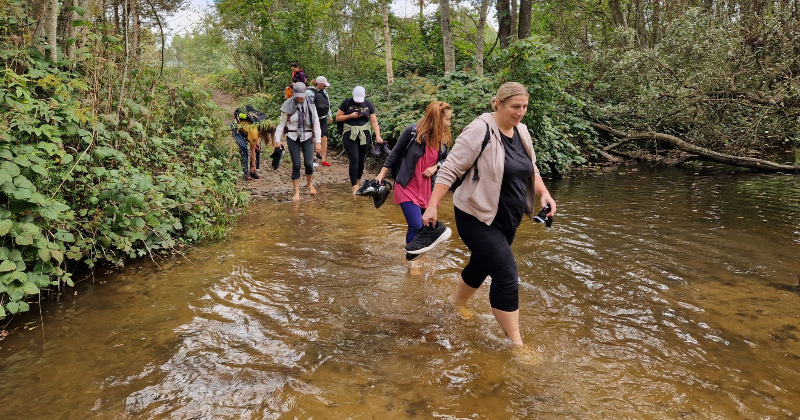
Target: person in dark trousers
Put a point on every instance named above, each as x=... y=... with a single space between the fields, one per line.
x=357 y=113
x=419 y=152
x=299 y=119
x=489 y=207
x=322 y=101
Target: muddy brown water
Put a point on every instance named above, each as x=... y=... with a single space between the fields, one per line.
x=657 y=294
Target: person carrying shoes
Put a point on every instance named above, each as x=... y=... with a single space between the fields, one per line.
x=357 y=113
x=414 y=161
x=489 y=205
x=245 y=133
x=299 y=119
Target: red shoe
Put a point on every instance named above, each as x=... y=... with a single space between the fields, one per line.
x=324 y=163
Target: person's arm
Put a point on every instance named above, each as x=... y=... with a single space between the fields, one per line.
x=431 y=215
x=317 y=130
x=280 y=128
x=540 y=190
x=396 y=153
x=341 y=116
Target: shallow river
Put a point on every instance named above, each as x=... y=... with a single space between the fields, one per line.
x=657 y=293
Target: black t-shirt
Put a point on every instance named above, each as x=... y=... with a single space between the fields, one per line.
x=513 y=192
x=349 y=106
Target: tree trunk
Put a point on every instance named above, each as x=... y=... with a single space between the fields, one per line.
x=387 y=42
x=38 y=11
x=504 y=22
x=525 y=10
x=51 y=28
x=745 y=162
x=447 y=37
x=479 y=36
x=513 y=20
x=421 y=16
x=617 y=14
x=655 y=25
x=135 y=28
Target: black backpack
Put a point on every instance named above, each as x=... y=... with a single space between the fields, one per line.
x=396 y=166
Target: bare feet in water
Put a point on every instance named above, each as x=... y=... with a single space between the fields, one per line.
x=462 y=309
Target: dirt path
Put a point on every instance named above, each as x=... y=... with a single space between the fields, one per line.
x=279 y=182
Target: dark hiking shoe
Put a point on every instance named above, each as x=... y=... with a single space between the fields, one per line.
x=385 y=148
x=376 y=149
x=319 y=156
x=254 y=175
x=369 y=187
x=382 y=193
x=412 y=257
x=428 y=237
x=276 y=156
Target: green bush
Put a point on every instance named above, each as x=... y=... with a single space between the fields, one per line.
x=91 y=182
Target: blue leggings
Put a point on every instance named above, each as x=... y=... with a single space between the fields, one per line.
x=413 y=214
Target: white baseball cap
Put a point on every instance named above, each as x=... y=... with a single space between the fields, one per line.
x=359 y=94
x=323 y=80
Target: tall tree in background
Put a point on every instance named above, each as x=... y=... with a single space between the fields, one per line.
x=51 y=28
x=504 y=22
x=525 y=10
x=479 y=35
x=387 y=42
x=447 y=37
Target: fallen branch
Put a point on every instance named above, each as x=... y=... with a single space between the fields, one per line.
x=701 y=153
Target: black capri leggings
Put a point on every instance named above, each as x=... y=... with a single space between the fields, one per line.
x=308 y=156
x=490 y=255
x=357 y=154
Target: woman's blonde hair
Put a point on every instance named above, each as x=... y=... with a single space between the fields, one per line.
x=507 y=90
x=432 y=126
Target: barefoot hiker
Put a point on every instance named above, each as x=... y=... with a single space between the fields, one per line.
x=299 y=118
x=490 y=203
x=414 y=161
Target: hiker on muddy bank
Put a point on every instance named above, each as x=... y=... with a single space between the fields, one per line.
x=299 y=120
x=494 y=160
x=322 y=101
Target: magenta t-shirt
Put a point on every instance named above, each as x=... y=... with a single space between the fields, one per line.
x=418 y=190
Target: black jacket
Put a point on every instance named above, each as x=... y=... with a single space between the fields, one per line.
x=408 y=161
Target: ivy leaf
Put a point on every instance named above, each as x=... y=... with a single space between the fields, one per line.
x=30 y=288
x=12 y=307
x=6 y=154
x=48 y=212
x=44 y=254
x=2 y=312
x=23 y=182
x=23 y=307
x=5 y=226
x=7 y=266
x=64 y=236
x=5 y=176
x=10 y=167
x=57 y=255
x=39 y=169
x=24 y=239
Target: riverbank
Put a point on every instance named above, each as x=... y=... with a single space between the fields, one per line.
x=277 y=183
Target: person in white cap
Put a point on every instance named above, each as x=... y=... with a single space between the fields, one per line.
x=299 y=119
x=356 y=114
x=323 y=104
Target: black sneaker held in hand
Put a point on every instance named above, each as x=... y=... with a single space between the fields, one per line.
x=542 y=217
x=276 y=156
x=376 y=149
x=369 y=187
x=382 y=192
x=428 y=237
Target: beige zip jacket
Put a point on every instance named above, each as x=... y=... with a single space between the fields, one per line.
x=481 y=197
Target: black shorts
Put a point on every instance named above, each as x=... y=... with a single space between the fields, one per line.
x=323 y=126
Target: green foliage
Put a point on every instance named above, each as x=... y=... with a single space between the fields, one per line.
x=90 y=182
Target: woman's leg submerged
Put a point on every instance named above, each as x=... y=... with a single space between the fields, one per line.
x=490 y=254
x=294 y=152
x=308 y=162
x=413 y=214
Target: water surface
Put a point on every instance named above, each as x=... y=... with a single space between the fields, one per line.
x=657 y=293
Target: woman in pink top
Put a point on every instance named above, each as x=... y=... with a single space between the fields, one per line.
x=417 y=156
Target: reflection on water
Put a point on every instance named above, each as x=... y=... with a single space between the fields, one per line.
x=658 y=293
